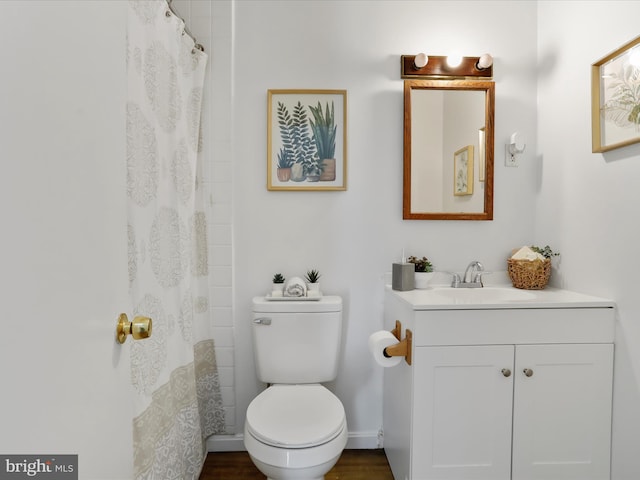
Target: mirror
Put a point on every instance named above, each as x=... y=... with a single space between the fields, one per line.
x=448 y=150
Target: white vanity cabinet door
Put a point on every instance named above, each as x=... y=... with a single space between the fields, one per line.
x=562 y=412
x=462 y=412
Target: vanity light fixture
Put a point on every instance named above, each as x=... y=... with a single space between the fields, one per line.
x=423 y=66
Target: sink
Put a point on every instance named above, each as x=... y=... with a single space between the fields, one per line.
x=484 y=294
x=496 y=296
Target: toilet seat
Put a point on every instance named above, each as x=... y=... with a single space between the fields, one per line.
x=295 y=416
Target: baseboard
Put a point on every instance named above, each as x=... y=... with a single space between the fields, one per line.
x=235 y=443
x=225 y=443
x=364 y=441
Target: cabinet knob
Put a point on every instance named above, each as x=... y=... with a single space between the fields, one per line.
x=506 y=372
x=528 y=372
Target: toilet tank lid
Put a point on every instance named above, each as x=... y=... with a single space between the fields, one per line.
x=328 y=303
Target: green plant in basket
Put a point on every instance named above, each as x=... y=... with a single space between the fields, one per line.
x=278 y=278
x=545 y=251
x=324 y=130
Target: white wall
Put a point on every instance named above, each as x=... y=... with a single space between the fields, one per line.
x=352 y=237
x=587 y=203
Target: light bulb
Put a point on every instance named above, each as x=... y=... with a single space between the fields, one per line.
x=421 y=60
x=454 y=60
x=485 y=61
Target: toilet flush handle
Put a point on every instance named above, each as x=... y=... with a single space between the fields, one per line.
x=262 y=321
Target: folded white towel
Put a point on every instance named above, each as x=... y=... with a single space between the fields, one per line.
x=295 y=287
x=525 y=253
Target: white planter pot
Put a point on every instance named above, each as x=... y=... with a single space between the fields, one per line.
x=313 y=289
x=277 y=290
x=423 y=279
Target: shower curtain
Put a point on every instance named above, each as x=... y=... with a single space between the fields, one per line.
x=177 y=398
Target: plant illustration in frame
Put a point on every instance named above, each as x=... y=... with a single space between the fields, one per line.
x=296 y=152
x=324 y=136
x=463 y=171
x=306 y=140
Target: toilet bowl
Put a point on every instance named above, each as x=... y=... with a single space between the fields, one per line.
x=295 y=432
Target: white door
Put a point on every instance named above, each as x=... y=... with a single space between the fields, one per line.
x=462 y=412
x=63 y=256
x=562 y=412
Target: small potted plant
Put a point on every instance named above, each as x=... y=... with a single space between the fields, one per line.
x=324 y=131
x=423 y=271
x=278 y=285
x=285 y=161
x=313 y=285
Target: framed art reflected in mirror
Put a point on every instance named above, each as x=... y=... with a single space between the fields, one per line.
x=615 y=98
x=463 y=171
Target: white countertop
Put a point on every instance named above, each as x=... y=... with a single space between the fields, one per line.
x=443 y=297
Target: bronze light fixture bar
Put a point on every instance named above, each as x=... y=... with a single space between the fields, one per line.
x=437 y=67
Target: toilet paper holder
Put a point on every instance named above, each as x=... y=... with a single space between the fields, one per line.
x=403 y=348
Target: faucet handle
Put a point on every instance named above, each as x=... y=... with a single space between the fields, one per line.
x=478 y=276
x=455 y=279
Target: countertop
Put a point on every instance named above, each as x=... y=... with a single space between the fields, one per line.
x=443 y=297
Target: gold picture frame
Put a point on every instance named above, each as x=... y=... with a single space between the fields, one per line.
x=615 y=98
x=463 y=171
x=306 y=140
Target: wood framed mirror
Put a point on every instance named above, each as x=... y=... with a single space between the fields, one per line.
x=448 y=150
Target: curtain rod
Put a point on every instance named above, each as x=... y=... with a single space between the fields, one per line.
x=184 y=24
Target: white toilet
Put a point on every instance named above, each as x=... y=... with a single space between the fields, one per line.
x=296 y=428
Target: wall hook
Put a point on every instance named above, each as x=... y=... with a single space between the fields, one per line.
x=515 y=147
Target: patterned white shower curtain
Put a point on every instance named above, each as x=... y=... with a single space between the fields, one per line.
x=174 y=374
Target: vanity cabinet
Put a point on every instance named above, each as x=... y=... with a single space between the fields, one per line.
x=501 y=393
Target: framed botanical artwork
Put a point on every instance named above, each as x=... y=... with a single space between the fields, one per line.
x=463 y=171
x=307 y=140
x=482 y=161
x=615 y=98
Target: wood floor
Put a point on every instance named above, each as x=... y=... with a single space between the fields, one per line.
x=353 y=465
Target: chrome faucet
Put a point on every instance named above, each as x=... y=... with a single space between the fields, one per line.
x=472 y=276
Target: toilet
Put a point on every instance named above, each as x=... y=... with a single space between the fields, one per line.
x=296 y=428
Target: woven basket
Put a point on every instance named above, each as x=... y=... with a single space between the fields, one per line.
x=529 y=274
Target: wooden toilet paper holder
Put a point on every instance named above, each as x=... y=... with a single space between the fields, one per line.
x=402 y=349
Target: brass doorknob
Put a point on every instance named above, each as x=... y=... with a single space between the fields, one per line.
x=140 y=328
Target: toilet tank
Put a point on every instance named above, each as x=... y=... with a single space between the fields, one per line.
x=297 y=341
